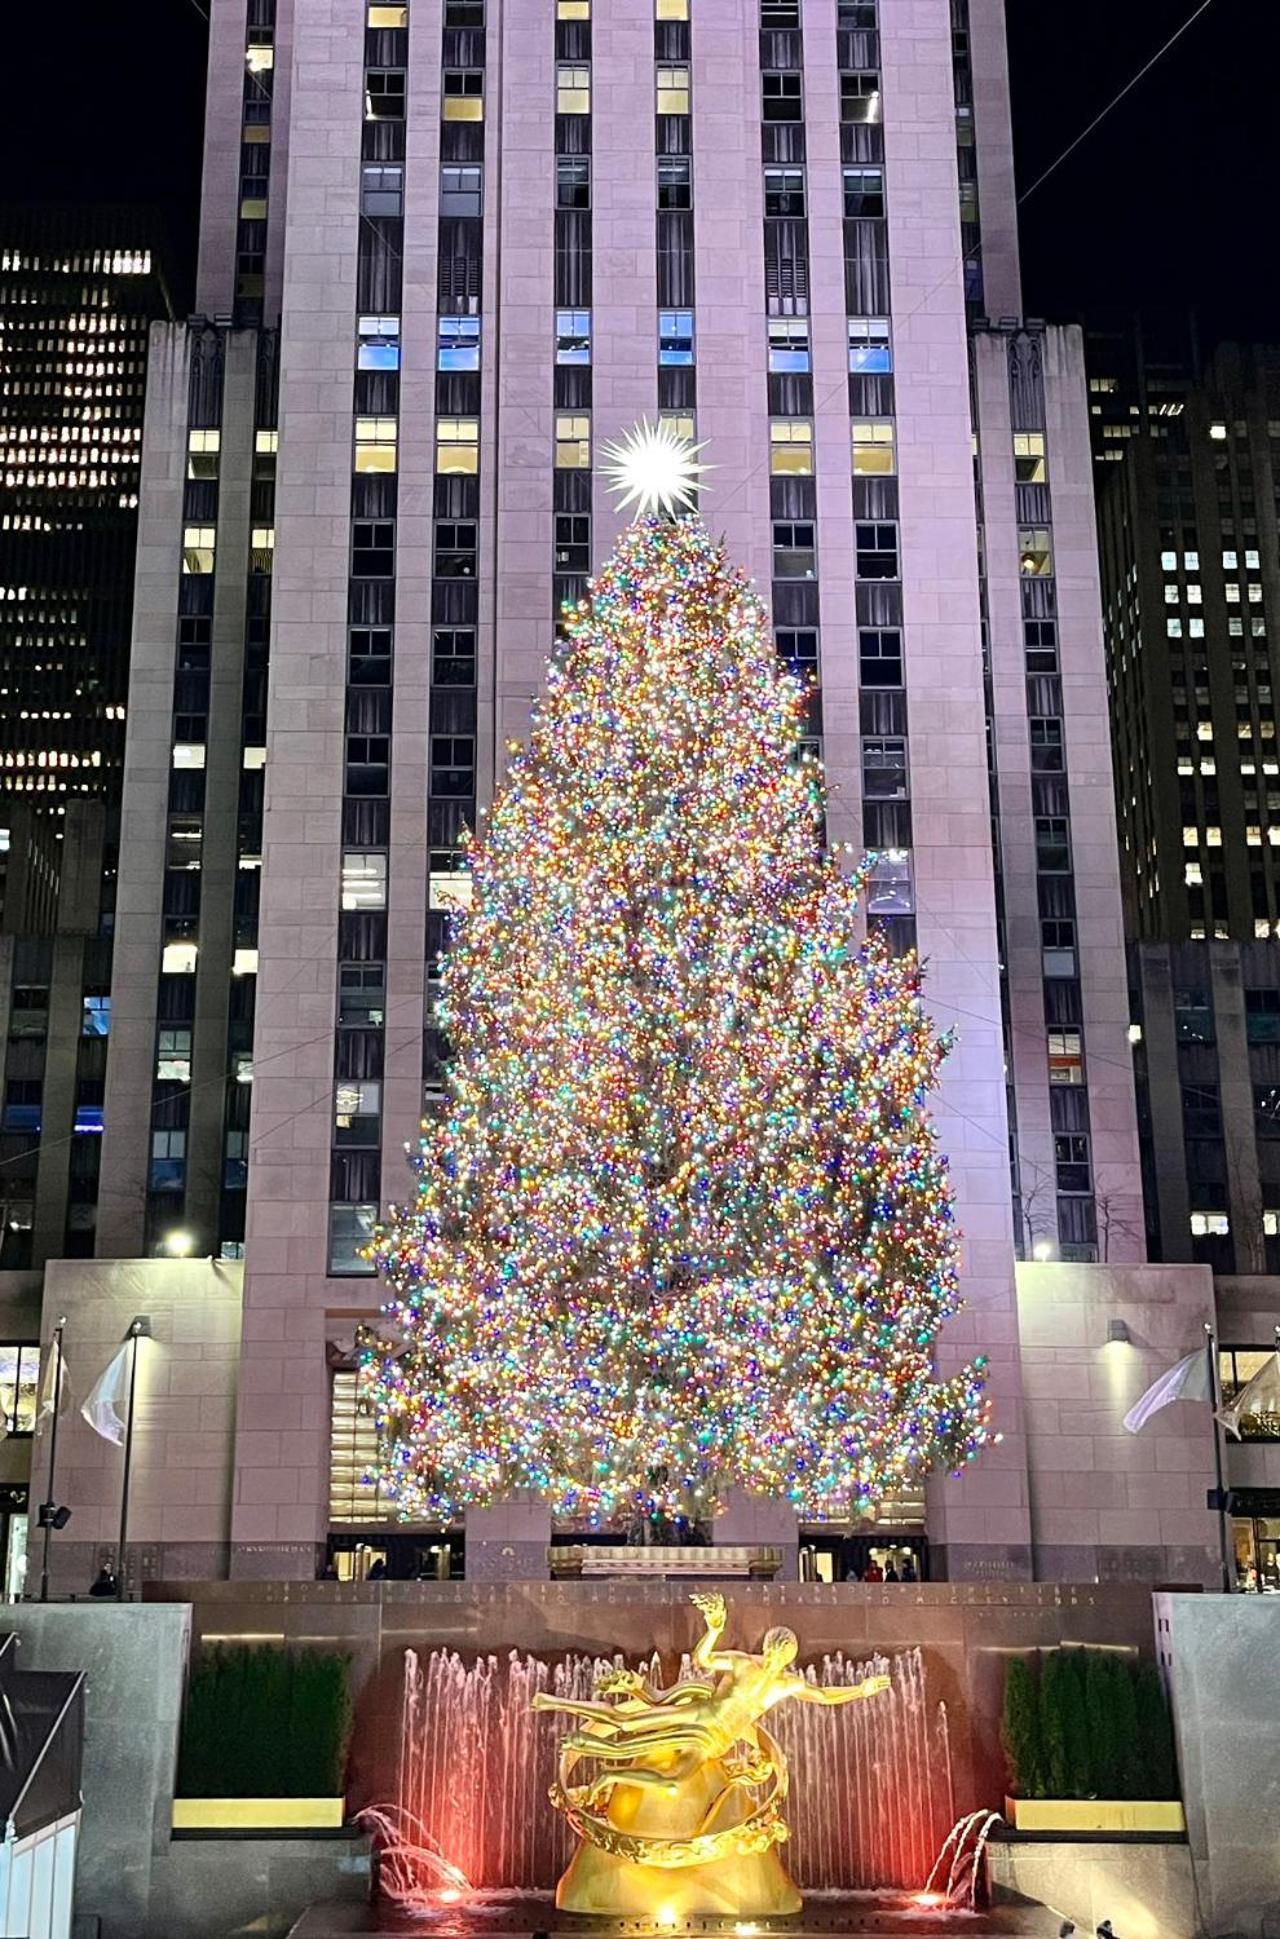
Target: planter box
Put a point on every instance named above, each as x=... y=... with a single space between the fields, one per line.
x=1068 y=1815
x=258 y=1814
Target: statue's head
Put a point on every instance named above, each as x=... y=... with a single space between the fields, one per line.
x=780 y=1646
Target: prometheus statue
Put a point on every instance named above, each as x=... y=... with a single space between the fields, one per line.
x=682 y=1815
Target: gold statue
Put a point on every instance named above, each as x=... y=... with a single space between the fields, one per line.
x=684 y=1814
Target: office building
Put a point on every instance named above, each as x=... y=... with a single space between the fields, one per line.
x=448 y=251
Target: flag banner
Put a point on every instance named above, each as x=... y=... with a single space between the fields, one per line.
x=105 y=1406
x=1188 y=1380
x=1261 y=1395
x=55 y=1388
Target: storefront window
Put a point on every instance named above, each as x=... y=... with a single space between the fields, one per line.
x=1256 y=1540
x=1236 y=1368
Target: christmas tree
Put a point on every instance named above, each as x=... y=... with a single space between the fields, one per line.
x=683 y=1220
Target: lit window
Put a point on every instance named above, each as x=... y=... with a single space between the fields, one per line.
x=889 y=891
x=379 y=343
x=253 y=208
x=463 y=96
x=1028 y=457
x=202 y=453
x=573 y=444
x=1191 y=560
x=1192 y=876
x=457 y=444
x=386 y=16
x=259 y=60
x=870 y=353
x=262 y=548
x=791 y=446
x=682 y=425
x=381 y=189
x=178 y=959
x=1218 y=432
x=351 y=1230
x=675 y=337
x=1195 y=595
x=573 y=89
x=873 y=448
x=376 y=443
x=357 y=1107
x=573 y=336
x=461 y=188
x=96 y=1020
x=1251 y=563
x=671 y=9
x=449 y=892
x=253 y=758
x=266 y=443
x=173 y=1056
x=1035 y=552
x=1210 y=1225
x=1066 y=1057
x=364 y=880
x=1231 y=593
x=1253 y=838
x=1195 y=628
x=188 y=754
x=197 y=548
x=458 y=343
x=244 y=962
x=1213 y=837
x=1190 y=837
x=573 y=9
x=788 y=344
x=1230 y=562
x=673 y=90
x=1173 y=627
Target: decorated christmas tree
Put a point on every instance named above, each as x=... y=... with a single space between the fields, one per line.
x=683 y=1221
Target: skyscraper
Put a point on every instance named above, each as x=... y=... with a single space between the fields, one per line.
x=78 y=288
x=448 y=251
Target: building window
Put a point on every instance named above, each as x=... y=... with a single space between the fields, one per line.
x=573 y=9
x=1035 y=552
x=889 y=891
x=357 y=1113
x=860 y=97
x=1210 y=1225
x=794 y=554
x=458 y=343
x=376 y=443
x=873 y=448
x=384 y=94
x=378 y=345
x=573 y=89
x=788 y=344
x=202 y=453
x=671 y=9
x=876 y=553
x=463 y=96
x=19 y=1387
x=381 y=190
x=870 y=353
x=573 y=182
x=262 y=548
x=791 y=447
x=884 y=769
x=453 y=766
x=573 y=542
x=675 y=182
x=351 y=1230
x=798 y=646
x=1028 y=457
x=197 y=548
x=168 y=1161
x=461 y=189
x=1071 y=1162
x=880 y=658
x=178 y=959
x=353 y=1455
x=1238 y=1365
x=1053 y=845
x=784 y=193
x=1066 y=1057
x=863 y=192
x=673 y=90
x=573 y=336
x=386 y=16
x=364 y=880
x=675 y=337
x=782 y=98
x=453 y=656
x=573 y=444
x=95 y=1020
x=458 y=444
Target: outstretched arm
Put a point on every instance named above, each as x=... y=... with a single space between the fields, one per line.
x=710 y=1603
x=870 y=1686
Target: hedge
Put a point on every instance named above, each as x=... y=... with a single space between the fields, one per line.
x=1087 y=1724
x=264 y=1722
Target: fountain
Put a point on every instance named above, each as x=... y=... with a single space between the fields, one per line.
x=476 y=1765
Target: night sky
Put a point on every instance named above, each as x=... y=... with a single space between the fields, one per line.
x=1171 y=202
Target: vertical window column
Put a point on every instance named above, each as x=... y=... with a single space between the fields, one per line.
x=255 y=160
x=572 y=384
x=673 y=147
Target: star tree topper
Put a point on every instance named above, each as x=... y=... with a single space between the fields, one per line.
x=655 y=468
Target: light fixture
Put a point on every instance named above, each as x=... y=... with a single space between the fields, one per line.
x=178 y=1245
x=139 y=1327
x=1042 y=1250
x=1118 y=1334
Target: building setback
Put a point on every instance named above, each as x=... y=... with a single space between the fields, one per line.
x=448 y=251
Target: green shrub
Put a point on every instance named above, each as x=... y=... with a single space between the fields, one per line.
x=1097 y=1725
x=1020 y=1731
x=265 y=1723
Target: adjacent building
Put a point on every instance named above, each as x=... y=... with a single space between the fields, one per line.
x=449 y=249
x=78 y=290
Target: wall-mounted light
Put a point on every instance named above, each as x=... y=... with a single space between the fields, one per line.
x=1118 y=1333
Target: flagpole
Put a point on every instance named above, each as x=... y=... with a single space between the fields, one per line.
x=137 y=1329
x=1215 y=1401
x=50 y=1496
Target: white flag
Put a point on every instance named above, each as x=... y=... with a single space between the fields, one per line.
x=55 y=1388
x=1261 y=1395
x=105 y=1407
x=1189 y=1380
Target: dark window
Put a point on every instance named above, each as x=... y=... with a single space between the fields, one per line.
x=794 y=554
x=1201 y=1111
x=1047 y=755
x=1262 y=1016
x=779 y=13
x=381 y=190
x=1071 y=1160
x=884 y=769
x=453 y=765
x=675 y=182
x=1053 y=845
x=784 y=191
x=573 y=542
x=370 y=661
x=880 y=658
x=798 y=646
x=573 y=181
x=456 y=541
x=1193 y=1017
x=782 y=97
x=373 y=548
x=877 y=551
x=864 y=192
x=453 y=656
x=384 y=94
x=461 y=190
x=859 y=97
x=464 y=13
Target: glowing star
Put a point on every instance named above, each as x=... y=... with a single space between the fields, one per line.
x=655 y=468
